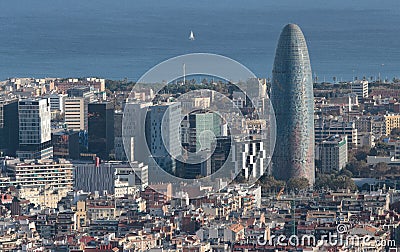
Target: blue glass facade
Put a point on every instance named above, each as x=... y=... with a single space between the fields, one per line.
x=293 y=101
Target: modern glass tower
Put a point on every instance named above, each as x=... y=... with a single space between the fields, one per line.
x=293 y=101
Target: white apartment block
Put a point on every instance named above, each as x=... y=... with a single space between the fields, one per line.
x=360 y=88
x=130 y=178
x=57 y=102
x=250 y=158
x=75 y=113
x=44 y=182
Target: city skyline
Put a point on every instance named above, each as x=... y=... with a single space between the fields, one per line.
x=200 y=153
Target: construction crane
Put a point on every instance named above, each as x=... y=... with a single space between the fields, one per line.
x=278 y=196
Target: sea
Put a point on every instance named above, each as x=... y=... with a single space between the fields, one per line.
x=124 y=38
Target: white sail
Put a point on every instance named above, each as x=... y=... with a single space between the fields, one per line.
x=191 y=37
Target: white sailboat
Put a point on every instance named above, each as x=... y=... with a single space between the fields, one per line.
x=191 y=37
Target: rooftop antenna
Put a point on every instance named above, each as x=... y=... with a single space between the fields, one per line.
x=348 y=113
x=184 y=74
x=349 y=103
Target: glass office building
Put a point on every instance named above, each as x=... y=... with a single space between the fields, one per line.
x=293 y=101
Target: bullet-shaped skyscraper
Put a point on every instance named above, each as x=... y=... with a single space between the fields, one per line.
x=293 y=101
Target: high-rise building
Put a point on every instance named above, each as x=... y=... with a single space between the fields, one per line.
x=250 y=157
x=34 y=129
x=123 y=151
x=133 y=126
x=76 y=113
x=194 y=166
x=65 y=144
x=293 y=101
x=162 y=134
x=101 y=129
x=332 y=154
x=9 y=127
x=204 y=126
x=220 y=155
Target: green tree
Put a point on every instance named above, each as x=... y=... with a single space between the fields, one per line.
x=298 y=184
x=357 y=168
x=381 y=169
x=334 y=182
x=361 y=154
x=373 y=152
x=271 y=184
x=346 y=172
x=322 y=181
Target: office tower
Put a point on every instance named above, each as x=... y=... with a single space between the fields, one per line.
x=119 y=148
x=133 y=126
x=332 y=154
x=194 y=166
x=293 y=102
x=34 y=129
x=204 y=126
x=162 y=134
x=76 y=107
x=76 y=113
x=124 y=151
x=9 y=126
x=220 y=155
x=101 y=129
x=65 y=144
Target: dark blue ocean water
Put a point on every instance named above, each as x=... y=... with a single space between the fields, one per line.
x=124 y=38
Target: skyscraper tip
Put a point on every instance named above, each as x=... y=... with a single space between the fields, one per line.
x=292 y=26
x=292 y=30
